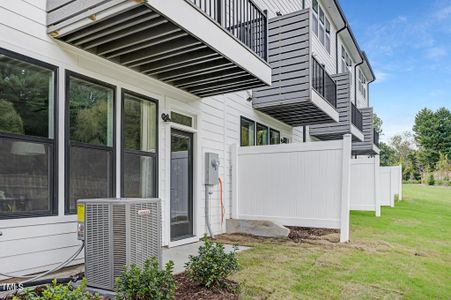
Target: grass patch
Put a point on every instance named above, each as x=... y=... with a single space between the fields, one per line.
x=405 y=254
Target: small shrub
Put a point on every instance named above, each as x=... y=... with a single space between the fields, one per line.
x=59 y=291
x=212 y=265
x=431 y=180
x=148 y=283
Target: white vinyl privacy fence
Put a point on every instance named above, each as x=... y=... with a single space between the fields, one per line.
x=390 y=179
x=365 y=184
x=301 y=184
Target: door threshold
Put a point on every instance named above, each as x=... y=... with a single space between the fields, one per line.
x=181 y=242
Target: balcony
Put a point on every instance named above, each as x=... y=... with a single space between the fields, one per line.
x=370 y=143
x=350 y=117
x=356 y=117
x=205 y=47
x=302 y=92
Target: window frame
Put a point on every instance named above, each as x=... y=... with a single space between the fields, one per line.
x=271 y=130
x=321 y=26
x=124 y=151
x=362 y=83
x=68 y=143
x=52 y=143
x=255 y=132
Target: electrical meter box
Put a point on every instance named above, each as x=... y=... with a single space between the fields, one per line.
x=211 y=168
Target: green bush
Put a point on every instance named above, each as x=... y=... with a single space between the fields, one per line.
x=212 y=265
x=148 y=283
x=57 y=291
x=431 y=180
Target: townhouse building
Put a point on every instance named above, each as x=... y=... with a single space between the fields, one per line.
x=123 y=98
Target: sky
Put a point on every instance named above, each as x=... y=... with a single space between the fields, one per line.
x=408 y=43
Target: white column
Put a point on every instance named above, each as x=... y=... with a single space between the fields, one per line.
x=376 y=185
x=234 y=173
x=400 y=182
x=345 y=188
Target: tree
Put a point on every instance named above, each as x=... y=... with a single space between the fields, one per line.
x=405 y=154
x=443 y=167
x=387 y=155
x=432 y=135
x=377 y=124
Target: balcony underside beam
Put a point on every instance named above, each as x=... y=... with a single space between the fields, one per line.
x=141 y=37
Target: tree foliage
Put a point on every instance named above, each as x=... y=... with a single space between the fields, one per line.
x=377 y=124
x=432 y=135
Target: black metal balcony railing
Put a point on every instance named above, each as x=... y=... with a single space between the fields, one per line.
x=242 y=18
x=356 y=117
x=323 y=83
x=375 y=137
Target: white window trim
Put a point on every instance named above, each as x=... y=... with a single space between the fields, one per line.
x=322 y=26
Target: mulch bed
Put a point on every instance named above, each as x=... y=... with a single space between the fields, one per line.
x=188 y=290
x=298 y=234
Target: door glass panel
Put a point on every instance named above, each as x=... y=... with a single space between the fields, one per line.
x=181 y=185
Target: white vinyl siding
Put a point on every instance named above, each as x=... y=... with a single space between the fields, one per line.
x=36 y=244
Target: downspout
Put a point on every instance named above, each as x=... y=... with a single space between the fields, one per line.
x=303 y=4
x=336 y=45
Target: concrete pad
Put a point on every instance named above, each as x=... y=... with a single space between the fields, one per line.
x=180 y=255
x=257 y=228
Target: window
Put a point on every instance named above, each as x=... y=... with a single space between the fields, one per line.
x=181 y=119
x=139 y=144
x=27 y=137
x=90 y=139
x=362 y=84
x=346 y=63
x=327 y=36
x=315 y=17
x=247 y=132
x=321 y=25
x=262 y=135
x=274 y=136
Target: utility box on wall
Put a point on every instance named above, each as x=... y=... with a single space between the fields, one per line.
x=211 y=168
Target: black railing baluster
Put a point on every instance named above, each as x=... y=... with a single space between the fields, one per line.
x=242 y=18
x=356 y=117
x=323 y=83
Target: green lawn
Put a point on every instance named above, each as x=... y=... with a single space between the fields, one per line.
x=405 y=254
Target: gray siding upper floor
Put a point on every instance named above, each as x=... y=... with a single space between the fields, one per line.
x=367 y=146
x=333 y=131
x=290 y=97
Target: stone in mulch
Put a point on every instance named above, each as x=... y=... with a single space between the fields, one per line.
x=188 y=290
x=299 y=234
